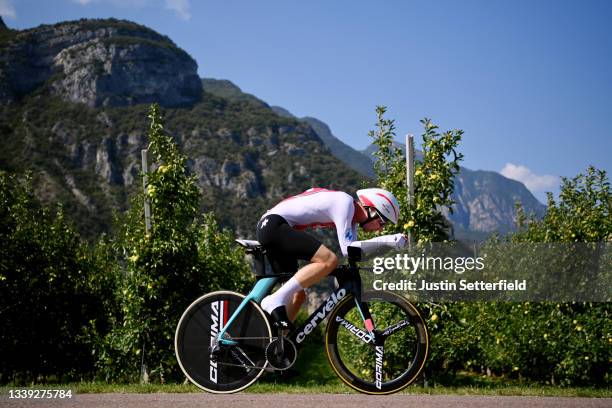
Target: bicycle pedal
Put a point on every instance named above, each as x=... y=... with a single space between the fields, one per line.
x=288 y=374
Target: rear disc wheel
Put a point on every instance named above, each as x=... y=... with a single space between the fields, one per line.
x=233 y=368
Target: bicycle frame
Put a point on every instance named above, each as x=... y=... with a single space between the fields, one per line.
x=349 y=282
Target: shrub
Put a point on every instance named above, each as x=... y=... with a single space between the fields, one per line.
x=47 y=290
x=166 y=268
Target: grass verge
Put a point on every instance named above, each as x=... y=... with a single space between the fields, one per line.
x=279 y=388
x=313 y=366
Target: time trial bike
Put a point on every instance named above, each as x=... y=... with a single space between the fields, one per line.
x=376 y=341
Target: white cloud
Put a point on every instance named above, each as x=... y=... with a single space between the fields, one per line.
x=119 y=3
x=181 y=7
x=7 y=9
x=534 y=182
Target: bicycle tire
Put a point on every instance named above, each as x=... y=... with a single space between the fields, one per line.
x=197 y=328
x=354 y=360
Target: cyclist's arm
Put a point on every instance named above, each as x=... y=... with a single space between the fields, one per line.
x=342 y=216
x=395 y=241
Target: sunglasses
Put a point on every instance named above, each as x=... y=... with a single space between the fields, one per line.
x=382 y=219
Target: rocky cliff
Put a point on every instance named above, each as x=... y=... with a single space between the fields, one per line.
x=485 y=201
x=74 y=112
x=73 y=103
x=97 y=63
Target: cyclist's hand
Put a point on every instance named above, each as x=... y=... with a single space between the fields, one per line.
x=400 y=240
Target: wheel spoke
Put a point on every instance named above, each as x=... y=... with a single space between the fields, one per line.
x=395 y=356
x=404 y=324
x=360 y=334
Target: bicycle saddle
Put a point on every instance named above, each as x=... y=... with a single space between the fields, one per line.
x=249 y=243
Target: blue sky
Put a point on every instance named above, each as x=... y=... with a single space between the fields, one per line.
x=530 y=82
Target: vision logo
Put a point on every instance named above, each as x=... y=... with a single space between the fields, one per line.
x=361 y=334
x=379 y=365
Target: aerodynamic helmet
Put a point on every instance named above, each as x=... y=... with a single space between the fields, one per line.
x=383 y=201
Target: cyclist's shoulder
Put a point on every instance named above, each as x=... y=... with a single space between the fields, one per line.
x=340 y=195
x=317 y=192
x=337 y=198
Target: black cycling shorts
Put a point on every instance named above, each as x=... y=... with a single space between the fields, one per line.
x=283 y=244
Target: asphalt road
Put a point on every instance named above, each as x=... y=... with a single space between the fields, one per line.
x=301 y=401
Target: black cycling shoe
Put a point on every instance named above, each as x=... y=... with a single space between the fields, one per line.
x=280 y=320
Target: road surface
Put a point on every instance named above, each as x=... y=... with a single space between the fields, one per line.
x=243 y=400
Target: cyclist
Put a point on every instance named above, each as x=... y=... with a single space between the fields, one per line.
x=280 y=231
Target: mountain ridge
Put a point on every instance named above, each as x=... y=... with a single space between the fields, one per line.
x=484 y=200
x=81 y=130
x=85 y=61
x=86 y=153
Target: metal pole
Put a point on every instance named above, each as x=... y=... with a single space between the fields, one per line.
x=147 y=203
x=144 y=372
x=410 y=178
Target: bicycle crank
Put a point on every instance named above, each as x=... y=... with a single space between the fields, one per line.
x=281 y=353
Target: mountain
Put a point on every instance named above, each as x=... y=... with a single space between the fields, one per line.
x=227 y=90
x=97 y=63
x=73 y=104
x=340 y=150
x=74 y=98
x=484 y=200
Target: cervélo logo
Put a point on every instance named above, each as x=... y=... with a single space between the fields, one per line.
x=321 y=315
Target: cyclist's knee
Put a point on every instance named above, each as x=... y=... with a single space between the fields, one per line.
x=333 y=262
x=326 y=257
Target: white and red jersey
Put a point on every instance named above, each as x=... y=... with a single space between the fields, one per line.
x=319 y=207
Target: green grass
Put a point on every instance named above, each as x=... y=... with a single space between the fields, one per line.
x=316 y=377
x=313 y=366
x=273 y=387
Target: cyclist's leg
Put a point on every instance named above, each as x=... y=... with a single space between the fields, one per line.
x=322 y=264
x=296 y=303
x=291 y=294
x=285 y=246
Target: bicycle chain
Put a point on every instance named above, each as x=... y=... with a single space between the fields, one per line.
x=246 y=366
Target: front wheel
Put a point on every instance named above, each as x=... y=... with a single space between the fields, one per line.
x=387 y=362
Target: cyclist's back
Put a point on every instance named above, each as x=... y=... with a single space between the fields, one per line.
x=319 y=207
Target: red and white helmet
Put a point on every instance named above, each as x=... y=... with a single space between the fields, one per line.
x=383 y=201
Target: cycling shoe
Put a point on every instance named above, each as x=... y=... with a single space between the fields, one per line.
x=280 y=320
